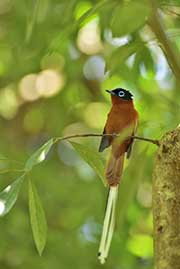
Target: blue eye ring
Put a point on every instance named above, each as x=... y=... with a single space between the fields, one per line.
x=121 y=94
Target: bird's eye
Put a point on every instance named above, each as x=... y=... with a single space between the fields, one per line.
x=121 y=94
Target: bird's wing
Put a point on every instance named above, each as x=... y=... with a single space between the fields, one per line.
x=105 y=141
x=129 y=148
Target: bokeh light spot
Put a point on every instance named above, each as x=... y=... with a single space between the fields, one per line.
x=49 y=82
x=115 y=41
x=88 y=40
x=95 y=114
x=2 y=207
x=7 y=189
x=8 y=103
x=28 y=89
x=94 y=68
x=88 y=231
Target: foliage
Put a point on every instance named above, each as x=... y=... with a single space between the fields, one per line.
x=56 y=60
x=38 y=220
x=93 y=158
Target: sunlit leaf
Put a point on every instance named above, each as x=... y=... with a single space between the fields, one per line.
x=81 y=8
x=129 y=17
x=84 y=9
x=93 y=158
x=39 y=156
x=141 y=245
x=37 y=218
x=9 y=196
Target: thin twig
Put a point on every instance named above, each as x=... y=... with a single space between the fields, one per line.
x=153 y=141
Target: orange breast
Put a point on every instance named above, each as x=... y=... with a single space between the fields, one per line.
x=122 y=119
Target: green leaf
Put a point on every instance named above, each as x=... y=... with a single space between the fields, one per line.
x=121 y=54
x=37 y=218
x=39 y=156
x=129 y=17
x=9 y=196
x=93 y=158
x=105 y=11
x=147 y=59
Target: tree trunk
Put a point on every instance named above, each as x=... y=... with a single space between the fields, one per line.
x=166 y=202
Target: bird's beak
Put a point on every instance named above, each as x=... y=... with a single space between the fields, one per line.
x=111 y=92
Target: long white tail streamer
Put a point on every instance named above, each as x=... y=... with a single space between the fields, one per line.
x=108 y=225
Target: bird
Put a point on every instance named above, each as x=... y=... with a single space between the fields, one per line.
x=120 y=127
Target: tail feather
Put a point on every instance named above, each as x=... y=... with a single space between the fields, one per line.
x=114 y=169
x=113 y=174
x=108 y=225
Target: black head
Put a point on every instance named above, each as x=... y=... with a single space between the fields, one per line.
x=121 y=93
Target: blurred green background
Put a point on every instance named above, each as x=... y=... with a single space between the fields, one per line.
x=56 y=60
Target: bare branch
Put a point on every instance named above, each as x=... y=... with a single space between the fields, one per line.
x=153 y=141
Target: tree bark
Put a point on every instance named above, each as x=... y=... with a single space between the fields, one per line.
x=166 y=202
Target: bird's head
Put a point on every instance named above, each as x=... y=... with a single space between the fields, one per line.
x=121 y=93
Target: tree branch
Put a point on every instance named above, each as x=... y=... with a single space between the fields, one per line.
x=170 y=50
x=153 y=141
